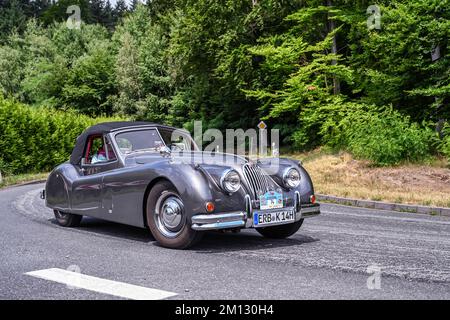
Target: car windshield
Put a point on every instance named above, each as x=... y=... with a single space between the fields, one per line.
x=141 y=140
x=178 y=140
x=150 y=140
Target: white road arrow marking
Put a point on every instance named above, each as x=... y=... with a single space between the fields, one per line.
x=115 y=288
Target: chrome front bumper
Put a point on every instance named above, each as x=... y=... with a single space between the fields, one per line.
x=242 y=219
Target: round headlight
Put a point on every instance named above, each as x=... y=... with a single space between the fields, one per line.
x=291 y=178
x=230 y=181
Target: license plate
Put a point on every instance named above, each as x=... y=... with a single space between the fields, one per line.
x=271 y=200
x=273 y=217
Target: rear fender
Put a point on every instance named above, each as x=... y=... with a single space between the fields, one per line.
x=58 y=186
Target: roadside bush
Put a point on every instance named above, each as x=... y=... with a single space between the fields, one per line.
x=37 y=139
x=381 y=135
x=388 y=138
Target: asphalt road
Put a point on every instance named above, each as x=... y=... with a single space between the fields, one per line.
x=327 y=259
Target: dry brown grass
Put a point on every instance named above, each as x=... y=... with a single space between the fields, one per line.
x=341 y=175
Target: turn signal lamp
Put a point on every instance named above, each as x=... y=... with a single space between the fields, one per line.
x=209 y=206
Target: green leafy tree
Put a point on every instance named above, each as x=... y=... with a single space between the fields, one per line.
x=394 y=64
x=209 y=61
x=96 y=8
x=120 y=10
x=12 y=18
x=108 y=16
x=300 y=78
x=50 y=59
x=43 y=81
x=134 y=4
x=11 y=71
x=300 y=65
x=141 y=68
x=57 y=12
x=90 y=81
x=128 y=77
x=38 y=7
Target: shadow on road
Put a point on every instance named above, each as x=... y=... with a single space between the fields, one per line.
x=246 y=240
x=112 y=229
x=211 y=242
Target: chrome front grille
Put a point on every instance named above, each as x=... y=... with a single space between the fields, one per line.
x=257 y=179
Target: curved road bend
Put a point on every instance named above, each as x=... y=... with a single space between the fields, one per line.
x=327 y=259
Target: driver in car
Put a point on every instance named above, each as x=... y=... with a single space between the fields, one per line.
x=99 y=156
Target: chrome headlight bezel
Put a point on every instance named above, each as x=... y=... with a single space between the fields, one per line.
x=227 y=184
x=288 y=180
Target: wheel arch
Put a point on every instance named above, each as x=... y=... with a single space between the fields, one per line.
x=146 y=193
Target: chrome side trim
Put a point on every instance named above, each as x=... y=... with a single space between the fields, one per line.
x=219 y=221
x=219 y=225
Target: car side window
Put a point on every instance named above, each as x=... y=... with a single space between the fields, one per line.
x=96 y=152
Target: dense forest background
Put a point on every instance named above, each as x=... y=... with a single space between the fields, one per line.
x=334 y=73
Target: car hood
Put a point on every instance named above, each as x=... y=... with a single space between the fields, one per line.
x=191 y=157
x=213 y=165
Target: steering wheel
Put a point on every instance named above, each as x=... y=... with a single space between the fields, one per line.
x=173 y=147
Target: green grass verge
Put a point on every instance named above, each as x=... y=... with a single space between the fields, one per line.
x=21 y=178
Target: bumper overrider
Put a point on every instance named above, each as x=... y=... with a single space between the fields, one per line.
x=244 y=219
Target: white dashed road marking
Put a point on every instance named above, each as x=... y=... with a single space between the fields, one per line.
x=115 y=288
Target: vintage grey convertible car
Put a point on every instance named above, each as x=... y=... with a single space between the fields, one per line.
x=135 y=173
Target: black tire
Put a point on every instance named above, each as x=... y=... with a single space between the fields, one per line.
x=180 y=237
x=67 y=219
x=280 y=232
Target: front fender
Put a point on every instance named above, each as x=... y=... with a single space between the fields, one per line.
x=196 y=188
x=277 y=166
x=193 y=188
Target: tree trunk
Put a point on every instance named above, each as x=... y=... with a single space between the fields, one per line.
x=334 y=50
x=436 y=55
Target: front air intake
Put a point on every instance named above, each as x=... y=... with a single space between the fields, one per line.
x=257 y=179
